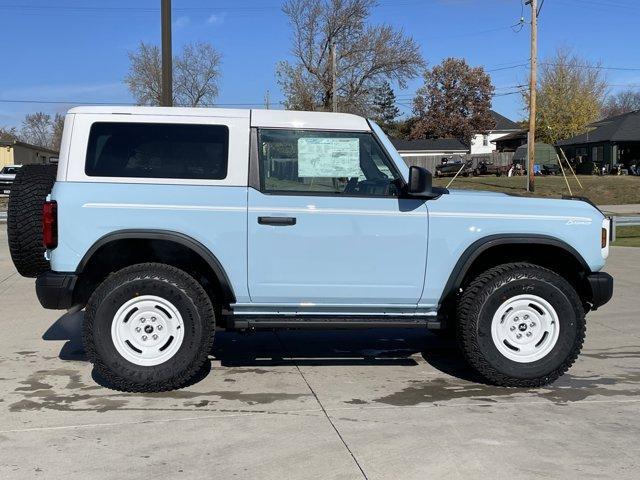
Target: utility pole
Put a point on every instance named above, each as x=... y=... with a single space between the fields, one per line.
x=531 y=142
x=267 y=100
x=334 y=95
x=167 y=61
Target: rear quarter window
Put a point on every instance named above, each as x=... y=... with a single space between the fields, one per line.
x=157 y=150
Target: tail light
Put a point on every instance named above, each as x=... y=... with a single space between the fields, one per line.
x=50 y=224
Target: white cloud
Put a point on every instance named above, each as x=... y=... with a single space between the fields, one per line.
x=182 y=21
x=216 y=18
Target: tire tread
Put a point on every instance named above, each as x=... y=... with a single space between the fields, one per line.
x=24 y=218
x=468 y=311
x=178 y=279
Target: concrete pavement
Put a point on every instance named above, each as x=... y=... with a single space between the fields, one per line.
x=375 y=404
x=628 y=209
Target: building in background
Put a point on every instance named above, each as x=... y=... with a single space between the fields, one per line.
x=429 y=152
x=429 y=146
x=612 y=142
x=511 y=141
x=485 y=142
x=15 y=152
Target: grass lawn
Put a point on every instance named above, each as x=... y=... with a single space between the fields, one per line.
x=607 y=190
x=627 y=237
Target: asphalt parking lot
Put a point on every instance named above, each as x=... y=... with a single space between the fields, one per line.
x=376 y=404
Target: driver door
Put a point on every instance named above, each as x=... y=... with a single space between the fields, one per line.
x=327 y=226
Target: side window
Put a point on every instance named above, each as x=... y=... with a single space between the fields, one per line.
x=307 y=162
x=158 y=150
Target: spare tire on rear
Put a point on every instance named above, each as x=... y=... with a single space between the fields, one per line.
x=24 y=218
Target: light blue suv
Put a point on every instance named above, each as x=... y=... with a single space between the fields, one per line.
x=167 y=223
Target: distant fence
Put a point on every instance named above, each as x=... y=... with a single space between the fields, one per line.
x=430 y=161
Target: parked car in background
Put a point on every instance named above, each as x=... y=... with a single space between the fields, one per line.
x=450 y=166
x=490 y=168
x=7 y=176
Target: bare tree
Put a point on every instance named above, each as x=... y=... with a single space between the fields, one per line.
x=454 y=102
x=37 y=129
x=145 y=74
x=56 y=131
x=622 y=102
x=366 y=55
x=196 y=72
x=8 y=134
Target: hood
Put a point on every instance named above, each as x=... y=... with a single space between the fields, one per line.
x=504 y=203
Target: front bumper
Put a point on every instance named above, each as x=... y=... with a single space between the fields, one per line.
x=55 y=290
x=601 y=285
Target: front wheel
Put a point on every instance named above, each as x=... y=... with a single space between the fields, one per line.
x=520 y=325
x=148 y=327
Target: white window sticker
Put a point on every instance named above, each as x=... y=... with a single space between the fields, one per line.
x=329 y=157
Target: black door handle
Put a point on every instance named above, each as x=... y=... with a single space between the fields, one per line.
x=277 y=221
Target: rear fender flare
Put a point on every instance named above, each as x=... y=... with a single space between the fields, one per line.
x=179 y=238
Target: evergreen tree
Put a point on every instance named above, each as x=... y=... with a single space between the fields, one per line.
x=384 y=107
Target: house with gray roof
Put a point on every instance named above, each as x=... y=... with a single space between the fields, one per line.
x=609 y=142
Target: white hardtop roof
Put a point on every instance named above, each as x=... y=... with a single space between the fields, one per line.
x=259 y=118
x=301 y=120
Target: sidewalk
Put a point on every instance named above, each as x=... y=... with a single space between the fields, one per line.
x=629 y=209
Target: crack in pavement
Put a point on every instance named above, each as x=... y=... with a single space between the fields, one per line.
x=284 y=350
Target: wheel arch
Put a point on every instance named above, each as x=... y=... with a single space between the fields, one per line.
x=184 y=243
x=476 y=258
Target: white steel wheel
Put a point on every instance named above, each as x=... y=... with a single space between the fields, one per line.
x=525 y=328
x=147 y=330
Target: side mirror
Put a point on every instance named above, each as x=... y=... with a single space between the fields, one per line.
x=420 y=182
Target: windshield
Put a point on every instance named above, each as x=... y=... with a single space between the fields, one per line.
x=388 y=146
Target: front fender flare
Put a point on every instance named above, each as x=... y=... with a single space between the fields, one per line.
x=473 y=251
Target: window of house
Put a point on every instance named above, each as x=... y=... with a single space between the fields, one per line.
x=309 y=162
x=154 y=150
x=485 y=140
x=597 y=154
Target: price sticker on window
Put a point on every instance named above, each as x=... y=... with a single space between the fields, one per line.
x=329 y=157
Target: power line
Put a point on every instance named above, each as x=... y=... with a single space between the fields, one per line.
x=551 y=64
x=127 y=104
x=600 y=4
x=507 y=68
x=61 y=9
x=595 y=67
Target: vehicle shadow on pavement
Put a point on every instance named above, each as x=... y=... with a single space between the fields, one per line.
x=376 y=346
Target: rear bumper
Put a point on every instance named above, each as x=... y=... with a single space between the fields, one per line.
x=601 y=288
x=55 y=290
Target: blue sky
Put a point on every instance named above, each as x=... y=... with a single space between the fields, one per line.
x=76 y=51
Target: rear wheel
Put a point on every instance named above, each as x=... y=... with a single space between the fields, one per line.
x=520 y=325
x=148 y=327
x=24 y=218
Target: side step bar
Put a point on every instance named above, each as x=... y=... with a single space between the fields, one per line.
x=325 y=322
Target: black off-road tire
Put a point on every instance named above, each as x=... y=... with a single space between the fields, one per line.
x=169 y=283
x=24 y=218
x=481 y=299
